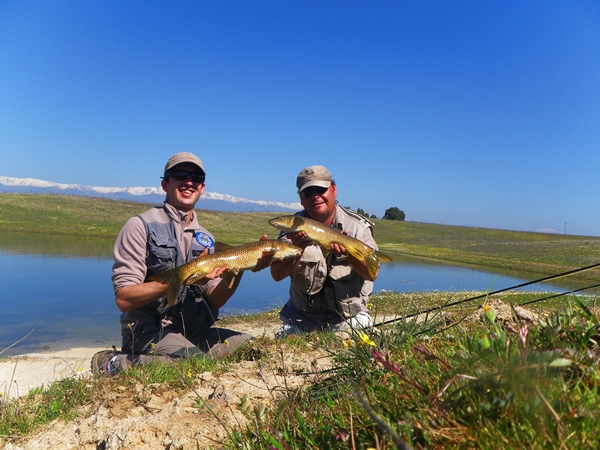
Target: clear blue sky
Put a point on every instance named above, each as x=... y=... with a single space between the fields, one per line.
x=478 y=113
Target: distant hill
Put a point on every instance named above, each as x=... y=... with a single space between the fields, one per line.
x=209 y=200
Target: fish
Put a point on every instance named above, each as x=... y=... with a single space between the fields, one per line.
x=236 y=259
x=325 y=235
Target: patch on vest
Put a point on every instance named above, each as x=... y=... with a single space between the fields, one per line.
x=204 y=239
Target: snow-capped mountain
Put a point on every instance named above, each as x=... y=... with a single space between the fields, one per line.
x=209 y=200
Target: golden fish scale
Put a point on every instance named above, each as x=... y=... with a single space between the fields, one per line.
x=242 y=257
x=236 y=259
x=327 y=235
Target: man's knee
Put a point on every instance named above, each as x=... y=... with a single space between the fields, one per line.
x=221 y=341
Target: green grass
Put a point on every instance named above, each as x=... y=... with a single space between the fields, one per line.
x=98 y=218
x=444 y=382
x=482 y=384
x=536 y=252
x=61 y=400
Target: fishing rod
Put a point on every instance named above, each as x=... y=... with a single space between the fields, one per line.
x=517 y=286
x=559 y=295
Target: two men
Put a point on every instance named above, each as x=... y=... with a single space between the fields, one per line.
x=325 y=293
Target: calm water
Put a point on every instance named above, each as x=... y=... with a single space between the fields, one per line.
x=59 y=289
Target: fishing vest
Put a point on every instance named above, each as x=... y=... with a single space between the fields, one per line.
x=327 y=289
x=163 y=252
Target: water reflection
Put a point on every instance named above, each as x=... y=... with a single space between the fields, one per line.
x=60 y=286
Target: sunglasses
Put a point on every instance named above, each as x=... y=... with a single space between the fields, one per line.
x=309 y=192
x=182 y=175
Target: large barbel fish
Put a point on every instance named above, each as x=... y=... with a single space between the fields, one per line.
x=236 y=259
x=325 y=235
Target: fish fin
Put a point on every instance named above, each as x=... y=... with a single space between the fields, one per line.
x=229 y=277
x=220 y=246
x=356 y=254
x=324 y=249
x=164 y=277
x=172 y=277
x=195 y=277
x=373 y=260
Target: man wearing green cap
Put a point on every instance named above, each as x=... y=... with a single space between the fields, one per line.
x=326 y=293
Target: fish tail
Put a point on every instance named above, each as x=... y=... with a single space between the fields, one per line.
x=381 y=257
x=372 y=265
x=173 y=293
x=373 y=260
x=172 y=278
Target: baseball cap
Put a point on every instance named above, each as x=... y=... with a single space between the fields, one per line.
x=313 y=176
x=183 y=157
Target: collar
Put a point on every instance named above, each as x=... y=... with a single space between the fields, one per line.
x=187 y=219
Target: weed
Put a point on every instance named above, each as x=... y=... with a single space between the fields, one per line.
x=433 y=383
x=492 y=385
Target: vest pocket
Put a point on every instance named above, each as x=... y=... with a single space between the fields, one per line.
x=348 y=286
x=162 y=252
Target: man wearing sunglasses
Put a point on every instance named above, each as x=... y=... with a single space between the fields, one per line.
x=325 y=293
x=159 y=239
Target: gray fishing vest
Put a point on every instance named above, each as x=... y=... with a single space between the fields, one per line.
x=163 y=253
x=328 y=288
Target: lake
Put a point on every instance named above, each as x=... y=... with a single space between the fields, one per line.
x=59 y=290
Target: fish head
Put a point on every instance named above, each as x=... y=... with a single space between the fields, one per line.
x=287 y=223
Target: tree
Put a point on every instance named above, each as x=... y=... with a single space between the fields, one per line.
x=394 y=213
x=362 y=212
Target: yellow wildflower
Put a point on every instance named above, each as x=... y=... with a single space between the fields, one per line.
x=348 y=343
x=489 y=313
x=366 y=340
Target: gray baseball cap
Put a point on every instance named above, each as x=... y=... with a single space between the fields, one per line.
x=183 y=157
x=313 y=176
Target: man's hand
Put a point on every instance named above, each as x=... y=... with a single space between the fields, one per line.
x=215 y=273
x=299 y=239
x=338 y=249
x=266 y=260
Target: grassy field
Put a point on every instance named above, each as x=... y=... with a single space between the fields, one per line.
x=539 y=253
x=452 y=379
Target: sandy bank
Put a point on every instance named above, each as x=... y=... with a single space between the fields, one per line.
x=20 y=374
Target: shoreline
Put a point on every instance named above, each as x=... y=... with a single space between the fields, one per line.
x=19 y=374
x=23 y=372
x=57 y=346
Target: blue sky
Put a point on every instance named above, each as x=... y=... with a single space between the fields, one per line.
x=477 y=113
